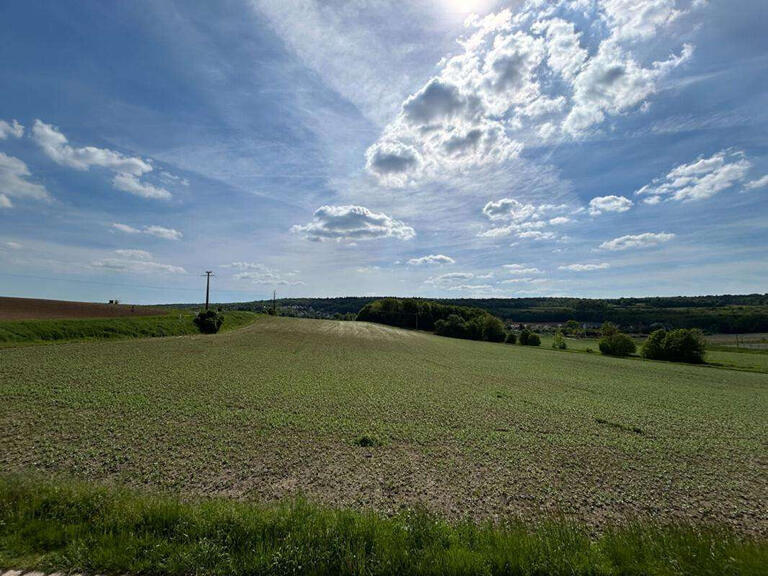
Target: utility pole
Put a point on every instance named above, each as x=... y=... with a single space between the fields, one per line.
x=274 y=302
x=208 y=275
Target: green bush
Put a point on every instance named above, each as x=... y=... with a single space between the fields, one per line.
x=511 y=338
x=680 y=345
x=653 y=347
x=558 y=342
x=209 y=321
x=493 y=329
x=617 y=344
x=528 y=338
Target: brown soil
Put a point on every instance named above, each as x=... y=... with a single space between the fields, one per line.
x=35 y=309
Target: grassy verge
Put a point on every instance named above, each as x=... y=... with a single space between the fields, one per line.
x=84 y=528
x=172 y=324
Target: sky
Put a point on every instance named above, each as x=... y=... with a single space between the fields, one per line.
x=435 y=148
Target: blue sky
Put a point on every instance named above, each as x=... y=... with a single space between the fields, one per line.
x=443 y=148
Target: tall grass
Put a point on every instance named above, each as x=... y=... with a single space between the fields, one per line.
x=83 y=528
x=172 y=324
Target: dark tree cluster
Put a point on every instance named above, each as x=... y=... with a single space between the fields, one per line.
x=676 y=346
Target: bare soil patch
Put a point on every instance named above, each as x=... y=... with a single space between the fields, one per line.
x=37 y=309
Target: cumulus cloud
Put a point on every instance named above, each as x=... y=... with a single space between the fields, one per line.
x=12 y=128
x=263 y=275
x=393 y=162
x=646 y=240
x=526 y=221
x=431 y=260
x=585 y=267
x=611 y=203
x=127 y=170
x=150 y=230
x=759 y=183
x=350 y=223
x=15 y=184
x=139 y=261
x=527 y=77
x=702 y=178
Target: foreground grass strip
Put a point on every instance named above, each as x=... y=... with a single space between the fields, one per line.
x=83 y=528
x=172 y=324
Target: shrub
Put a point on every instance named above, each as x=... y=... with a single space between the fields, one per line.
x=684 y=345
x=680 y=345
x=493 y=329
x=209 y=321
x=558 y=343
x=528 y=338
x=653 y=347
x=617 y=344
x=511 y=338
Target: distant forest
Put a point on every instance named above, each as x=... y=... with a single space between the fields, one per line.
x=725 y=314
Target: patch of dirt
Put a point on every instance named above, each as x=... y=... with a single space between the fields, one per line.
x=36 y=309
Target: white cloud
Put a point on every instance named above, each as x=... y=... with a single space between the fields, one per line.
x=638 y=19
x=526 y=221
x=471 y=288
x=131 y=184
x=13 y=129
x=14 y=245
x=260 y=274
x=134 y=254
x=431 y=259
x=646 y=240
x=352 y=223
x=138 y=261
x=612 y=83
x=163 y=232
x=585 y=267
x=127 y=169
x=15 y=184
x=702 y=178
x=525 y=280
x=445 y=280
x=150 y=230
x=521 y=269
x=759 y=183
x=393 y=162
x=611 y=203
x=521 y=79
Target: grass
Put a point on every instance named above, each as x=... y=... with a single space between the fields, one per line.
x=278 y=409
x=749 y=359
x=172 y=324
x=84 y=528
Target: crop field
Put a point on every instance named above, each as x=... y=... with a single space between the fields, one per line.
x=36 y=309
x=366 y=416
